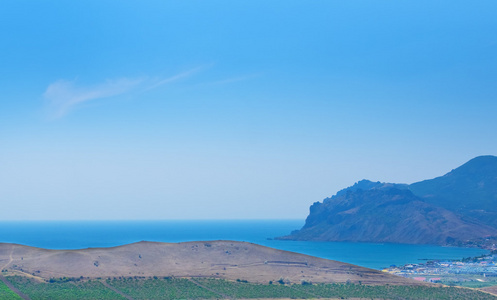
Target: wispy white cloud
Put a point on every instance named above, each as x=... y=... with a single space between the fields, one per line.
x=66 y=95
x=176 y=77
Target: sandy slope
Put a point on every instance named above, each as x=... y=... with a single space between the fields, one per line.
x=223 y=259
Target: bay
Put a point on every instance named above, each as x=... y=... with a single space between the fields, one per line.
x=93 y=234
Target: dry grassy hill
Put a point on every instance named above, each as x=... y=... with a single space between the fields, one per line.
x=223 y=259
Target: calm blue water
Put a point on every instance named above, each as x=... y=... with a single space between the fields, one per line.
x=85 y=234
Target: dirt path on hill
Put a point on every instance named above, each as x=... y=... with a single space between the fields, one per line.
x=209 y=289
x=116 y=290
x=489 y=289
x=13 y=288
x=10 y=258
x=7 y=283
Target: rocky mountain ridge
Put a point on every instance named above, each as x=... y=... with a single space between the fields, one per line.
x=457 y=208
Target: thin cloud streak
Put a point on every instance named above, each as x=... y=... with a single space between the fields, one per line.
x=65 y=95
x=175 y=78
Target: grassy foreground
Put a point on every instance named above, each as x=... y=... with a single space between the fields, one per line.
x=180 y=288
x=6 y=293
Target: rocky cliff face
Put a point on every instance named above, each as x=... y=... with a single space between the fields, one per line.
x=438 y=211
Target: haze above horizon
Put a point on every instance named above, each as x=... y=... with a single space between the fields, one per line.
x=235 y=110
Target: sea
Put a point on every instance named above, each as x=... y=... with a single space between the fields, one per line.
x=93 y=234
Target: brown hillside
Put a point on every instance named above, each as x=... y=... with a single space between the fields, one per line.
x=224 y=259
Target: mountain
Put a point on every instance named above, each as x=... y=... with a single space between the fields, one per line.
x=470 y=190
x=216 y=259
x=385 y=214
x=456 y=208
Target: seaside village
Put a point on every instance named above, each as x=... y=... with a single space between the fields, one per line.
x=472 y=271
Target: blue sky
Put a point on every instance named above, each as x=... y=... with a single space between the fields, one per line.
x=235 y=109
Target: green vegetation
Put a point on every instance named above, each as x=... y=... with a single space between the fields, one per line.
x=90 y=289
x=307 y=291
x=466 y=280
x=470 y=281
x=161 y=288
x=203 y=288
x=251 y=290
x=6 y=293
x=475 y=284
x=392 y=292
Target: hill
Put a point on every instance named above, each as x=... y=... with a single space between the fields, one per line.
x=220 y=259
x=470 y=190
x=456 y=208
